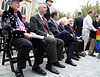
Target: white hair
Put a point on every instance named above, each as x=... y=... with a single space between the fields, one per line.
x=61 y=20
x=70 y=19
x=40 y=5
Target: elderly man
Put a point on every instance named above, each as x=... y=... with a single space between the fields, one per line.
x=39 y=25
x=16 y=35
x=79 y=43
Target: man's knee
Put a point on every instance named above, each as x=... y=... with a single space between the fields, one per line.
x=28 y=45
x=43 y=43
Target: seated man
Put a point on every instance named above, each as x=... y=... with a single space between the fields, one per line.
x=39 y=25
x=79 y=43
x=16 y=35
x=64 y=35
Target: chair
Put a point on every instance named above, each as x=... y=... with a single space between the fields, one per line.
x=13 y=59
x=1 y=43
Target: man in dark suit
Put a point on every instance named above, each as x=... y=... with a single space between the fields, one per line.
x=79 y=43
x=48 y=4
x=39 y=25
x=78 y=24
x=93 y=35
x=64 y=35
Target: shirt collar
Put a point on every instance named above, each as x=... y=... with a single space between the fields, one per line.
x=47 y=6
x=40 y=15
x=89 y=16
x=53 y=20
x=15 y=13
x=67 y=17
x=96 y=20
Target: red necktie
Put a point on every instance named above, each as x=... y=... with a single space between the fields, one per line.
x=44 y=24
x=56 y=26
x=43 y=20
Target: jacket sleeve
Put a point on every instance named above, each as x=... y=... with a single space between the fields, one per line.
x=66 y=28
x=74 y=26
x=5 y=22
x=7 y=30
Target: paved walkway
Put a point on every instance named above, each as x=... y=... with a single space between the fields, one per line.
x=87 y=67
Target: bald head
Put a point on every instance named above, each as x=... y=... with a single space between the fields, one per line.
x=70 y=22
x=42 y=9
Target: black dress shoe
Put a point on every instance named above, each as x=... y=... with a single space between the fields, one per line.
x=38 y=70
x=52 y=69
x=82 y=55
x=77 y=56
x=76 y=59
x=19 y=73
x=57 y=64
x=69 y=61
x=92 y=55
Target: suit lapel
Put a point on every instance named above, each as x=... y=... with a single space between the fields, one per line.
x=70 y=28
x=53 y=23
x=40 y=20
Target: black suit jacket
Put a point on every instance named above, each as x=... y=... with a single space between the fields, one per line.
x=47 y=15
x=53 y=27
x=37 y=26
x=61 y=28
x=67 y=28
x=93 y=33
x=78 y=24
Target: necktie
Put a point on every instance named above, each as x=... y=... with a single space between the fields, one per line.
x=56 y=26
x=43 y=20
x=20 y=25
x=72 y=30
x=44 y=24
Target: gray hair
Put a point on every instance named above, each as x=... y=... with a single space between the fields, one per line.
x=61 y=20
x=40 y=5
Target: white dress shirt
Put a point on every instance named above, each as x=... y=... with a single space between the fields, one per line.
x=87 y=23
x=40 y=16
